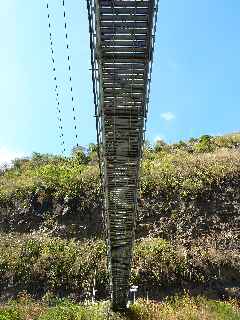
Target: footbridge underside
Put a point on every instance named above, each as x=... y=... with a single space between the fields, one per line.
x=122 y=41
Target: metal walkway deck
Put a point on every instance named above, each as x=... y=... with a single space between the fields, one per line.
x=122 y=41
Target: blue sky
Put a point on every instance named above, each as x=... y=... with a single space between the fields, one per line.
x=195 y=85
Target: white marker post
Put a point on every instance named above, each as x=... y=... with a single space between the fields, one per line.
x=134 y=289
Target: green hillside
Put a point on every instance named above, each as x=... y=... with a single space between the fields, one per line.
x=187 y=236
x=187 y=189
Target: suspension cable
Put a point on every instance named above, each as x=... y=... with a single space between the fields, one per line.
x=56 y=89
x=70 y=72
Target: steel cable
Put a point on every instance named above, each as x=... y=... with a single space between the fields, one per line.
x=69 y=67
x=56 y=89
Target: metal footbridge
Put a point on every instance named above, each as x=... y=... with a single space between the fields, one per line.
x=122 y=36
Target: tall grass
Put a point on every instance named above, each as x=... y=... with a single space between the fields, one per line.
x=176 y=308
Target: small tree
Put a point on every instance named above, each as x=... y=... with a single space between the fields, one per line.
x=79 y=153
x=93 y=153
x=205 y=144
x=159 y=145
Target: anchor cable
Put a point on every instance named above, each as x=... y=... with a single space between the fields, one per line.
x=56 y=89
x=69 y=67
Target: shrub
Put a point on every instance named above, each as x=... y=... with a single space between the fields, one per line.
x=38 y=263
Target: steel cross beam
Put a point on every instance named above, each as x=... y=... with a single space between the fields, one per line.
x=122 y=36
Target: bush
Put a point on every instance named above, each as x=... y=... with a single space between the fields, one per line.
x=46 y=265
x=205 y=144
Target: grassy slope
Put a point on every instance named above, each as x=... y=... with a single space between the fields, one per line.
x=41 y=264
x=188 y=167
x=184 y=171
x=178 y=308
x=181 y=181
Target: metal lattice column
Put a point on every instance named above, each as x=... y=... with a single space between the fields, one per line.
x=122 y=38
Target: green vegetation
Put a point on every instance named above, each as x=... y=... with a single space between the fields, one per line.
x=189 y=166
x=52 y=175
x=50 y=265
x=187 y=233
x=176 y=308
x=187 y=173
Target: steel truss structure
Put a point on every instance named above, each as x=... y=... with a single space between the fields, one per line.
x=122 y=37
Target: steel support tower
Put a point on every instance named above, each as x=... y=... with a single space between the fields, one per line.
x=122 y=36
